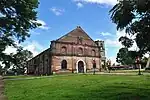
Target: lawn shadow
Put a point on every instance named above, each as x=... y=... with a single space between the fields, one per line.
x=118 y=93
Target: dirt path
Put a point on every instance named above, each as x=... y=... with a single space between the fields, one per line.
x=2 y=97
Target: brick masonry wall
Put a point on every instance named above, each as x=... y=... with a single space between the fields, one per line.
x=72 y=62
x=73 y=49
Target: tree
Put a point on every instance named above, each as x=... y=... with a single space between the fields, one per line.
x=20 y=60
x=134 y=17
x=17 y=17
x=124 y=57
x=125 y=41
x=1 y=69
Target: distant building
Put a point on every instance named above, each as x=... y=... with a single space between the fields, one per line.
x=74 y=52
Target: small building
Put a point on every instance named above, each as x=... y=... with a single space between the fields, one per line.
x=74 y=52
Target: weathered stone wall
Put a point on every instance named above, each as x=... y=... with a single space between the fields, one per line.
x=40 y=65
x=73 y=49
x=72 y=62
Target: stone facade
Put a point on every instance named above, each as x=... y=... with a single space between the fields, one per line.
x=40 y=64
x=74 y=52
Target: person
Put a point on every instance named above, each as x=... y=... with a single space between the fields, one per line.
x=94 y=68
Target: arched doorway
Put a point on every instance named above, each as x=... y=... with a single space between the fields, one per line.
x=64 y=64
x=80 y=67
x=94 y=64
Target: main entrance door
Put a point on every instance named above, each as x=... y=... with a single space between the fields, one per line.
x=64 y=64
x=80 y=67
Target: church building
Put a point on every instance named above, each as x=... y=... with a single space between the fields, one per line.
x=74 y=52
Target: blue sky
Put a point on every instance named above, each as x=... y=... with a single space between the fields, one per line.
x=58 y=17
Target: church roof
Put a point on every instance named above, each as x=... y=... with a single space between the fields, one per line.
x=77 y=32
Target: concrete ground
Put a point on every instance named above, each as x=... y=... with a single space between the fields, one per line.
x=2 y=96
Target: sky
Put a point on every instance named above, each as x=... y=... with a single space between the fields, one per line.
x=59 y=17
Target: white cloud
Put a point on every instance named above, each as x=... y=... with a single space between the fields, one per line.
x=34 y=47
x=120 y=33
x=113 y=60
x=80 y=5
x=123 y=33
x=105 y=34
x=116 y=43
x=134 y=47
x=43 y=25
x=107 y=2
x=57 y=11
x=10 y=50
x=113 y=40
x=112 y=43
x=146 y=55
x=35 y=33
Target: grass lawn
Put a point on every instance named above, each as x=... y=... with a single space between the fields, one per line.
x=80 y=87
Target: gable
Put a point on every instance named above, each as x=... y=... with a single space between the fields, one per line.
x=77 y=35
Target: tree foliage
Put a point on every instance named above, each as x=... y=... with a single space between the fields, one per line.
x=17 y=17
x=124 y=57
x=134 y=17
x=126 y=41
x=20 y=60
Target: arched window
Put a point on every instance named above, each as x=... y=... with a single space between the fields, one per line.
x=63 y=50
x=64 y=64
x=93 y=53
x=80 y=51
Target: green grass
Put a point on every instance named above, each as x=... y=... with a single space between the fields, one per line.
x=80 y=87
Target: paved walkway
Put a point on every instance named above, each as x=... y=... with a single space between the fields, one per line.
x=2 y=97
x=30 y=78
x=122 y=73
x=97 y=73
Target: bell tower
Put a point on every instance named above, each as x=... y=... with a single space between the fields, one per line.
x=101 y=47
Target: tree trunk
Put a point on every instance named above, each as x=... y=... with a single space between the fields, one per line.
x=148 y=62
